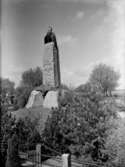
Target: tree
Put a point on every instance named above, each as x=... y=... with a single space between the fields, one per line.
x=105 y=77
x=7 y=90
x=80 y=126
x=32 y=77
x=22 y=95
x=7 y=85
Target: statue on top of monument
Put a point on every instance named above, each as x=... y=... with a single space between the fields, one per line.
x=50 y=37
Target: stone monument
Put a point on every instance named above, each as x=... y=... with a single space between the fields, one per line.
x=51 y=66
x=47 y=94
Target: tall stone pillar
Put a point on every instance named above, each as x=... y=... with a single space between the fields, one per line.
x=51 y=66
x=51 y=75
x=51 y=70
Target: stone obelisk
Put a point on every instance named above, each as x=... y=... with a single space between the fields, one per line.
x=47 y=93
x=51 y=65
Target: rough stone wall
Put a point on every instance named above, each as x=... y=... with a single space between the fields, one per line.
x=48 y=65
x=56 y=67
x=51 y=66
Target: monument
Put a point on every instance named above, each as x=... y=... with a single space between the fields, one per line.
x=47 y=94
x=51 y=65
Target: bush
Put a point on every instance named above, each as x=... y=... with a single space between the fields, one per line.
x=116 y=143
x=22 y=95
x=26 y=132
x=7 y=124
x=13 y=159
x=80 y=126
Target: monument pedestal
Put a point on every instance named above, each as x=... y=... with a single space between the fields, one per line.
x=48 y=101
x=51 y=99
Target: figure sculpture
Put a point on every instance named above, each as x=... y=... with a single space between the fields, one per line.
x=50 y=37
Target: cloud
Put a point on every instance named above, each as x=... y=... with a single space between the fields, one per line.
x=75 y=77
x=12 y=72
x=75 y=1
x=79 y=15
x=117 y=13
x=83 y=1
x=70 y=78
x=66 y=39
x=89 y=1
x=45 y=2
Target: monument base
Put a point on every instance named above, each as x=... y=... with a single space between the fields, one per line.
x=51 y=99
x=46 y=98
x=35 y=99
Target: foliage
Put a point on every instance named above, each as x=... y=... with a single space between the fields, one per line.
x=65 y=96
x=25 y=130
x=80 y=126
x=22 y=95
x=116 y=143
x=27 y=134
x=7 y=85
x=7 y=90
x=4 y=109
x=105 y=77
x=13 y=159
x=7 y=124
x=64 y=86
x=32 y=77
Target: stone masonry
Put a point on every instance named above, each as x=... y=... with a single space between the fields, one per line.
x=51 y=67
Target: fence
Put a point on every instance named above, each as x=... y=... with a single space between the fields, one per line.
x=33 y=159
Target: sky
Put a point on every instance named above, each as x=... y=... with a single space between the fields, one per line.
x=88 y=32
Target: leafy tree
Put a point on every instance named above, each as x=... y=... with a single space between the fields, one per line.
x=80 y=126
x=7 y=85
x=32 y=77
x=105 y=77
x=7 y=90
x=22 y=95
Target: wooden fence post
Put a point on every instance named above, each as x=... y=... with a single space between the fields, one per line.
x=38 y=155
x=66 y=160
